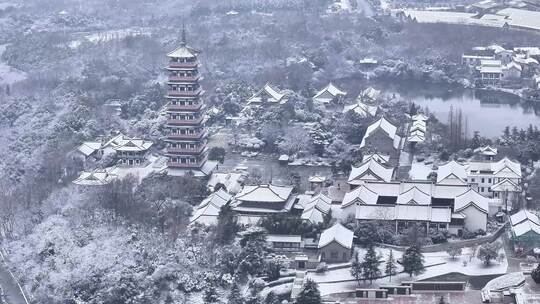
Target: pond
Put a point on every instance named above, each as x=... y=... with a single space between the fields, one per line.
x=488 y=112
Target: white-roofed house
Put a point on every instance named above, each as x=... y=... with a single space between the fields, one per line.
x=208 y=210
x=420 y=117
x=359 y=196
x=316 y=182
x=260 y=200
x=96 y=177
x=336 y=244
x=495 y=179
x=512 y=71
x=487 y=152
x=382 y=137
x=284 y=243
x=451 y=173
x=369 y=96
x=525 y=230
x=316 y=210
x=268 y=95
x=473 y=207
x=130 y=151
x=329 y=94
x=491 y=71
x=381 y=158
x=362 y=109
x=90 y=149
x=371 y=170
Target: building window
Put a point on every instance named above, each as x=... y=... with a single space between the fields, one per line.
x=472 y=180
x=489 y=180
x=481 y=189
x=483 y=180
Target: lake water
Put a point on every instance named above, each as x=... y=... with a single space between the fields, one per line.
x=487 y=112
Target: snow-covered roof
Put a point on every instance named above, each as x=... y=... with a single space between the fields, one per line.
x=183 y=52
x=328 y=93
x=471 y=198
x=420 y=117
x=360 y=195
x=317 y=208
x=370 y=94
x=88 y=148
x=491 y=63
x=507 y=168
x=265 y=193
x=487 y=150
x=381 y=158
x=529 y=50
x=232 y=181
x=416 y=136
x=418 y=125
x=122 y=142
x=208 y=210
x=284 y=238
x=317 y=179
x=506 y=185
x=94 y=178
x=382 y=124
x=274 y=95
x=524 y=60
x=491 y=70
x=414 y=196
x=362 y=109
x=451 y=170
x=452 y=18
x=370 y=170
x=521 y=18
x=523 y=222
x=367 y=60
x=513 y=65
x=337 y=233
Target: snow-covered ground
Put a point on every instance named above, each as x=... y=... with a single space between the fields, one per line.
x=8 y=74
x=420 y=171
x=332 y=281
x=156 y=164
x=107 y=36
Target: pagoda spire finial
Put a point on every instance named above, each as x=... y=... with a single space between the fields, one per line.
x=183 y=42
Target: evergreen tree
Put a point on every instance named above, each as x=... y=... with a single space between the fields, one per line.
x=271 y=298
x=390 y=267
x=251 y=259
x=210 y=295
x=226 y=227
x=356 y=269
x=413 y=261
x=235 y=297
x=310 y=294
x=370 y=265
x=535 y=274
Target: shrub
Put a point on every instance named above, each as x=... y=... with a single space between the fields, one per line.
x=321 y=268
x=535 y=274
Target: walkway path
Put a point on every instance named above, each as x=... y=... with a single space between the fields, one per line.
x=11 y=291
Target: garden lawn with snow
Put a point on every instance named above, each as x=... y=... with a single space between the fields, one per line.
x=436 y=263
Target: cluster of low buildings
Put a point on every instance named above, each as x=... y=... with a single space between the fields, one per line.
x=493 y=65
x=418 y=129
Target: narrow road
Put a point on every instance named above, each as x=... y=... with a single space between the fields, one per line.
x=11 y=292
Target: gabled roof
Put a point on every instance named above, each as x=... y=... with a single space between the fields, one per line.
x=471 y=198
x=317 y=208
x=265 y=193
x=382 y=124
x=95 y=178
x=337 y=233
x=122 y=142
x=317 y=179
x=275 y=94
x=418 y=125
x=420 y=117
x=373 y=169
x=208 y=210
x=87 y=148
x=487 y=150
x=361 y=195
x=504 y=185
x=505 y=166
x=451 y=169
x=183 y=52
x=381 y=158
x=414 y=196
x=523 y=222
x=332 y=90
x=513 y=65
x=361 y=109
x=370 y=94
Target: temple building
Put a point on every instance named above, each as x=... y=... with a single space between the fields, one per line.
x=187 y=136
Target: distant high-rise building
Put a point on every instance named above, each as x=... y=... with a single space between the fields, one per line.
x=187 y=136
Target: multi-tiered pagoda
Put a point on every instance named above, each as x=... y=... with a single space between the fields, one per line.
x=186 y=148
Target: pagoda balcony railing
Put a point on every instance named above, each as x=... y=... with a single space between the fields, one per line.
x=183 y=78
x=194 y=93
x=186 y=151
x=199 y=135
x=194 y=107
x=185 y=122
x=196 y=165
x=186 y=65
